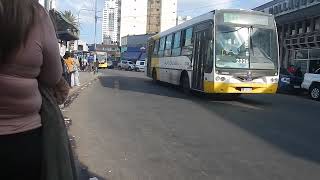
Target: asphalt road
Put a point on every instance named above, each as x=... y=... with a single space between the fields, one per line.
x=128 y=128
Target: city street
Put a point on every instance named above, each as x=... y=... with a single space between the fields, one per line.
x=126 y=127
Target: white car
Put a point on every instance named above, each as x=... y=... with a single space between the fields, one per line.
x=122 y=64
x=130 y=66
x=311 y=82
x=140 y=66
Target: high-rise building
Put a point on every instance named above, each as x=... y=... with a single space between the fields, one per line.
x=49 y=4
x=154 y=14
x=133 y=17
x=111 y=18
x=168 y=14
x=162 y=15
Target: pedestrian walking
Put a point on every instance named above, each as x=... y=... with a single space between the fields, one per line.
x=96 y=66
x=81 y=64
x=91 y=62
x=29 y=60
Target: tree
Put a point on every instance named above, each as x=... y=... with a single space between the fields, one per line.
x=70 y=17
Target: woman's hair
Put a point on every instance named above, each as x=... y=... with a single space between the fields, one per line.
x=67 y=55
x=16 y=20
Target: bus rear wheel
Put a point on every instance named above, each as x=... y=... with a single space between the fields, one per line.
x=154 y=76
x=185 y=84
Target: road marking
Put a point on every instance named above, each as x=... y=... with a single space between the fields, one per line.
x=240 y=104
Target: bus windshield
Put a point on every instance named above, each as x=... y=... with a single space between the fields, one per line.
x=246 y=48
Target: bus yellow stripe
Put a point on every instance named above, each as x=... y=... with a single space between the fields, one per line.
x=211 y=87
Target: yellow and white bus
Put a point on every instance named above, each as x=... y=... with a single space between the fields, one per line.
x=223 y=51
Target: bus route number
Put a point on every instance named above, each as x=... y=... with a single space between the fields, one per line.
x=242 y=61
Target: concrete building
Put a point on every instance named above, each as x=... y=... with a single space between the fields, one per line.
x=153 y=18
x=112 y=51
x=162 y=15
x=169 y=10
x=298 y=23
x=110 y=22
x=133 y=17
x=182 y=19
x=80 y=45
x=134 y=47
x=136 y=41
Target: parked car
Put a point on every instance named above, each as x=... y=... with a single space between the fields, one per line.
x=130 y=66
x=140 y=66
x=110 y=64
x=311 y=83
x=122 y=64
x=288 y=82
x=126 y=65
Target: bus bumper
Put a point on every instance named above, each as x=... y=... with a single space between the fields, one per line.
x=243 y=88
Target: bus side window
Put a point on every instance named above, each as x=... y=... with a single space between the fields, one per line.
x=187 y=42
x=168 y=45
x=176 y=51
x=156 y=47
x=162 y=45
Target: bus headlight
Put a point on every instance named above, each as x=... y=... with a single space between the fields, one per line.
x=222 y=79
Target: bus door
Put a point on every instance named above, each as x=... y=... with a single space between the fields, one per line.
x=149 y=57
x=202 y=35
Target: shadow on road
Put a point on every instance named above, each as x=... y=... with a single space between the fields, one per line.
x=83 y=171
x=288 y=123
x=140 y=85
x=295 y=131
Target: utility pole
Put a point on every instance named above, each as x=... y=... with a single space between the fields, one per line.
x=95 y=32
x=95 y=25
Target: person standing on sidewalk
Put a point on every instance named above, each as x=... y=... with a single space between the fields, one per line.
x=29 y=57
x=71 y=68
x=76 y=67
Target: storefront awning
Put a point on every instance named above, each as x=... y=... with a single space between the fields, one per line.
x=66 y=31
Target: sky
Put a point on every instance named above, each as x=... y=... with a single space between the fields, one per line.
x=185 y=8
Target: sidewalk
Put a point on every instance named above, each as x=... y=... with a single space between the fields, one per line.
x=85 y=78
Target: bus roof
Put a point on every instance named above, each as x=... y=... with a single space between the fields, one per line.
x=201 y=18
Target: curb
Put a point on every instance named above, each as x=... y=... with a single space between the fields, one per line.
x=74 y=94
